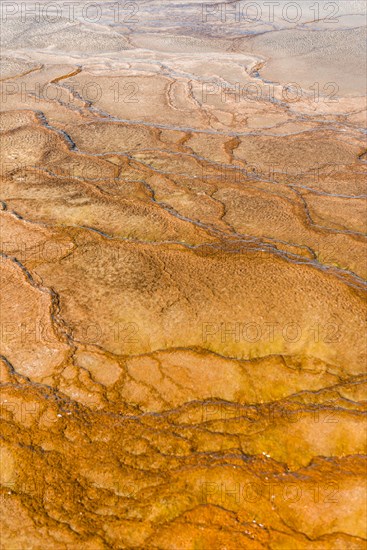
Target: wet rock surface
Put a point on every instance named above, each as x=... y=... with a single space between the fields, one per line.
x=183 y=275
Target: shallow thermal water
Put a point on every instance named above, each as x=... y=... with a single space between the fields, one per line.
x=183 y=275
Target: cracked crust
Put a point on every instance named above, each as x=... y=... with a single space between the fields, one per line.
x=183 y=292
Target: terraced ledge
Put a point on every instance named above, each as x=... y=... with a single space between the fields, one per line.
x=183 y=275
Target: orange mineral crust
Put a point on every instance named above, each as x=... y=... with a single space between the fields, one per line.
x=183 y=276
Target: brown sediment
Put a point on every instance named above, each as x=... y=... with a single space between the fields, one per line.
x=183 y=298
x=68 y=75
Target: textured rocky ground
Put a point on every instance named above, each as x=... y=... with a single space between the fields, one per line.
x=183 y=276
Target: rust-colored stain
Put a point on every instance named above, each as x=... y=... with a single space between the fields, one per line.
x=183 y=271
